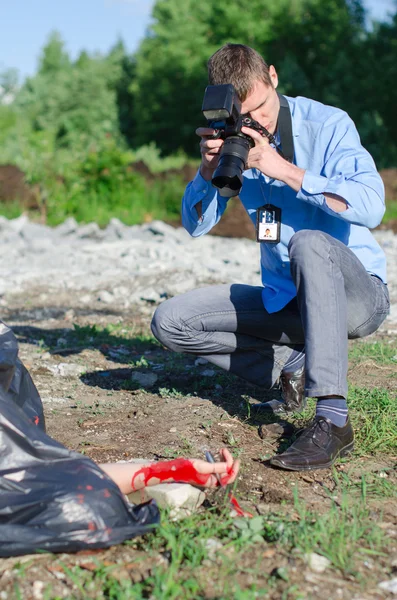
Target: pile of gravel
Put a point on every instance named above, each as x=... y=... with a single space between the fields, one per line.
x=124 y=266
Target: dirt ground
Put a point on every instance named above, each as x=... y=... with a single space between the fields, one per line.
x=105 y=414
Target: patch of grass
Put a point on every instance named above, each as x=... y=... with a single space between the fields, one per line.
x=378 y=351
x=171 y=393
x=97 y=334
x=370 y=485
x=10 y=210
x=343 y=534
x=373 y=413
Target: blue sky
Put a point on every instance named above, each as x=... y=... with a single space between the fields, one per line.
x=93 y=25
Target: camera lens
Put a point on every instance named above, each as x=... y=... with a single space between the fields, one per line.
x=228 y=177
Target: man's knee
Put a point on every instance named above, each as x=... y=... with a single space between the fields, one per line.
x=166 y=325
x=306 y=241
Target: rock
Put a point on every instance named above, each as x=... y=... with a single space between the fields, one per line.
x=38 y=587
x=150 y=295
x=183 y=285
x=145 y=380
x=200 y=361
x=105 y=297
x=160 y=228
x=183 y=499
x=91 y=231
x=67 y=227
x=86 y=299
x=389 y=586
x=212 y=545
x=116 y=229
x=19 y=223
x=317 y=562
x=67 y=369
x=35 y=231
x=208 y=373
x=276 y=430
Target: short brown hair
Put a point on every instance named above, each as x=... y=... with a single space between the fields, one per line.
x=239 y=65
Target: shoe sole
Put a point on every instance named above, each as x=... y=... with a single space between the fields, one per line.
x=345 y=451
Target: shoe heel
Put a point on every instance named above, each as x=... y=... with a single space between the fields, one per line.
x=347 y=450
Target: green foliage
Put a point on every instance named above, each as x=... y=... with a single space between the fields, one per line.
x=75 y=127
x=76 y=103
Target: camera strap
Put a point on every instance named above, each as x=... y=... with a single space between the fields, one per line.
x=284 y=128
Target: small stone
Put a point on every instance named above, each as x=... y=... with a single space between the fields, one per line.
x=67 y=369
x=200 y=361
x=160 y=228
x=212 y=546
x=45 y=356
x=182 y=498
x=208 y=373
x=90 y=231
x=105 y=296
x=317 y=562
x=145 y=380
x=67 y=227
x=173 y=430
x=276 y=430
x=389 y=586
x=86 y=299
x=150 y=295
x=38 y=587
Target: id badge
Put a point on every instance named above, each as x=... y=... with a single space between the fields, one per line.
x=268 y=224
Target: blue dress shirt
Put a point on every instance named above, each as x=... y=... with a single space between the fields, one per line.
x=328 y=147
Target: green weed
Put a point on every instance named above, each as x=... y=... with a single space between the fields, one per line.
x=373 y=413
x=378 y=351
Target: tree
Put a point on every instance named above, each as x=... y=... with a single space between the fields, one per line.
x=77 y=102
x=53 y=58
x=8 y=85
x=302 y=38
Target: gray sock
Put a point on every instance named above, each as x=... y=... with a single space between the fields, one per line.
x=334 y=409
x=296 y=359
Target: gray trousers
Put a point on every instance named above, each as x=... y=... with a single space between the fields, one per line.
x=228 y=325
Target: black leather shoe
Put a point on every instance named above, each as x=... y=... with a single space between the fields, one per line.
x=317 y=447
x=292 y=392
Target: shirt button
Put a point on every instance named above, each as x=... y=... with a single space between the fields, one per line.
x=311 y=190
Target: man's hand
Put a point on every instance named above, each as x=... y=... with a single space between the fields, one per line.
x=210 y=150
x=266 y=159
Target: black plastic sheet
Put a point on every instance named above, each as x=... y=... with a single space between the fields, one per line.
x=52 y=499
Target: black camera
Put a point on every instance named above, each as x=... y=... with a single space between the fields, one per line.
x=222 y=109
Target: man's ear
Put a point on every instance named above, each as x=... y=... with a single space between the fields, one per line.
x=273 y=76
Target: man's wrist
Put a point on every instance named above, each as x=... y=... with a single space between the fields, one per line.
x=293 y=176
x=206 y=173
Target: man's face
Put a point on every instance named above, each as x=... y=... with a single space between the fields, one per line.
x=262 y=104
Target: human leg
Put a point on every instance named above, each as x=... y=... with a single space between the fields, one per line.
x=229 y=326
x=337 y=299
